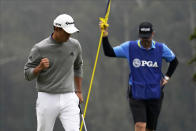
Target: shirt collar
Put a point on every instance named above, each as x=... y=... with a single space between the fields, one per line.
x=52 y=39
x=152 y=46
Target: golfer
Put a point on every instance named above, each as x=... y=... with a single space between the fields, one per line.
x=56 y=64
x=146 y=80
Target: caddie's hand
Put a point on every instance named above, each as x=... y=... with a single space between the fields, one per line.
x=103 y=27
x=80 y=96
x=164 y=82
x=44 y=64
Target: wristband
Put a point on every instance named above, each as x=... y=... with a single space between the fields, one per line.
x=166 y=78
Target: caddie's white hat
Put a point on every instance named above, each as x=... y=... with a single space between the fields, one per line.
x=65 y=22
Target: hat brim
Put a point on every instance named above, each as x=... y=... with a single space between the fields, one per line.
x=71 y=29
x=145 y=36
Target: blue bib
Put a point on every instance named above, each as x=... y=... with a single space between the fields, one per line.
x=146 y=72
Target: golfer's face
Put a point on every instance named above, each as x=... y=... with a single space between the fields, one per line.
x=63 y=36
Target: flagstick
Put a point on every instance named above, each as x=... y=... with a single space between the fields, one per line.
x=95 y=64
x=92 y=78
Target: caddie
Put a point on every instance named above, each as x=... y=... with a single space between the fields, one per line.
x=146 y=80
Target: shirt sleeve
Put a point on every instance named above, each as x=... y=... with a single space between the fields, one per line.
x=168 y=54
x=122 y=50
x=78 y=64
x=33 y=61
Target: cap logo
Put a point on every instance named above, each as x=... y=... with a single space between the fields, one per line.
x=57 y=24
x=145 y=29
x=69 y=23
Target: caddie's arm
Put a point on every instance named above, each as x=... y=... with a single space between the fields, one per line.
x=78 y=74
x=107 y=48
x=169 y=56
x=172 y=67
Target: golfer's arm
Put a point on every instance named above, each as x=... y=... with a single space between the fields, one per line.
x=29 y=75
x=31 y=68
x=78 y=83
x=172 y=67
x=78 y=70
x=107 y=48
x=37 y=70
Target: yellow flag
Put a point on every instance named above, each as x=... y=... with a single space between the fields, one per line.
x=104 y=20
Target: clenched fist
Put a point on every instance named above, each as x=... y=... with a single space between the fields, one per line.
x=44 y=64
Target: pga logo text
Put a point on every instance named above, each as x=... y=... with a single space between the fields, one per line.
x=137 y=63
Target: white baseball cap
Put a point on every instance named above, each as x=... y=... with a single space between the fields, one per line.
x=65 y=22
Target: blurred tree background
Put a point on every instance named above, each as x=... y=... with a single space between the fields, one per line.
x=26 y=22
